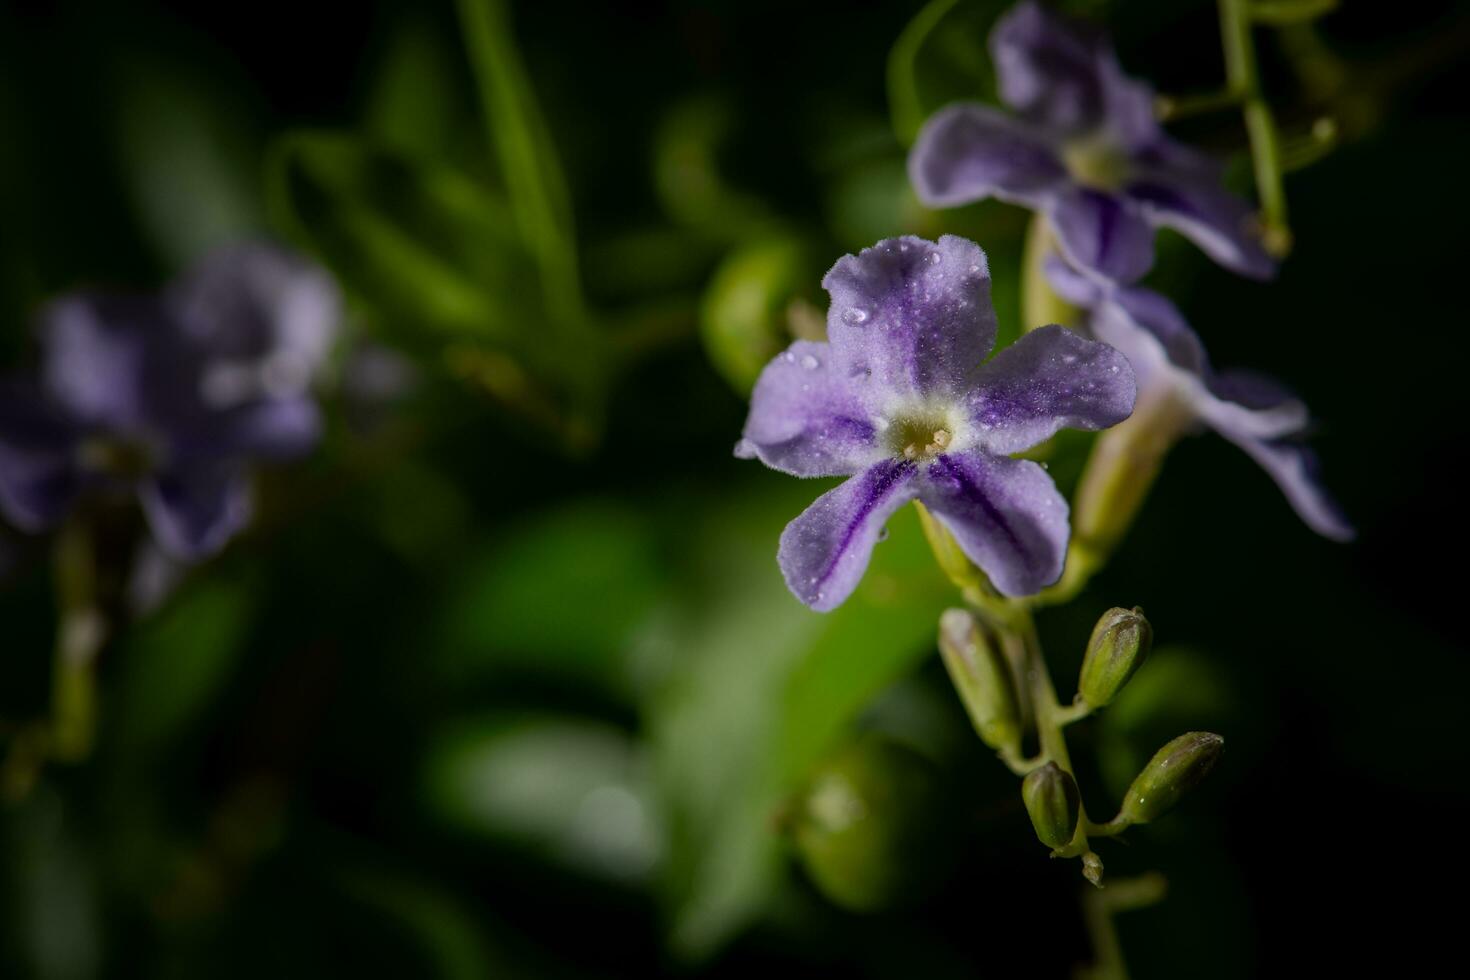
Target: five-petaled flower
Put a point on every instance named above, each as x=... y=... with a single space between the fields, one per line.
x=1174 y=375
x=1085 y=149
x=899 y=400
x=171 y=396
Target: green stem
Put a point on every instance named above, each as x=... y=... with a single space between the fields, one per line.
x=1040 y=305
x=1242 y=76
x=80 y=634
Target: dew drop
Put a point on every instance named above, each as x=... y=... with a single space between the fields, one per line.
x=855 y=315
x=789 y=357
x=810 y=363
x=935 y=258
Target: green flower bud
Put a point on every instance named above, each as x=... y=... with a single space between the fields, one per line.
x=1173 y=771
x=866 y=826
x=982 y=676
x=1119 y=645
x=1053 y=803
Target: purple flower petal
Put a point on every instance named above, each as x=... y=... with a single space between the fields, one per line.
x=1063 y=72
x=264 y=318
x=194 y=511
x=95 y=350
x=968 y=152
x=1220 y=223
x=1006 y=515
x=38 y=474
x=1294 y=468
x=806 y=418
x=1104 y=233
x=825 y=551
x=275 y=429
x=911 y=317
x=1049 y=380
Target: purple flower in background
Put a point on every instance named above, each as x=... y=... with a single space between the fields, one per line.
x=898 y=399
x=1084 y=149
x=1256 y=413
x=129 y=396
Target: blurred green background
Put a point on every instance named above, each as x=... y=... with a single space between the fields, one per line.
x=505 y=681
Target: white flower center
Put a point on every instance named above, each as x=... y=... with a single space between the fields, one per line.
x=919 y=434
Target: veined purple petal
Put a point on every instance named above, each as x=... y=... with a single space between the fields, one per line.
x=968 y=152
x=1220 y=223
x=806 y=417
x=1102 y=232
x=194 y=511
x=825 y=551
x=1049 y=380
x=1294 y=468
x=1006 y=515
x=911 y=317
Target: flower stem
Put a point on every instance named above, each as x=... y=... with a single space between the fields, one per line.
x=1242 y=76
x=1040 y=305
x=80 y=634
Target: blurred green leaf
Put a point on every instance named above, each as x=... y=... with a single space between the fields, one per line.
x=564 y=594
x=940 y=57
x=534 y=184
x=690 y=180
x=190 y=161
x=575 y=791
x=765 y=688
x=424 y=245
x=175 y=664
x=414 y=104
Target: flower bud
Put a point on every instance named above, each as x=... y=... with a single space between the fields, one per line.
x=1052 y=801
x=947 y=552
x=983 y=678
x=1119 y=645
x=1173 y=771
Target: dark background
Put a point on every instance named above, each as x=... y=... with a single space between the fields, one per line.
x=292 y=746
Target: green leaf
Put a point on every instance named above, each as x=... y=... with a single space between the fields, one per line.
x=765 y=688
x=940 y=57
x=564 y=594
x=534 y=183
x=576 y=792
x=423 y=245
x=176 y=664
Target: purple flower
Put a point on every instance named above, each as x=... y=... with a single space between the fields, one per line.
x=898 y=399
x=128 y=396
x=1255 y=412
x=1084 y=149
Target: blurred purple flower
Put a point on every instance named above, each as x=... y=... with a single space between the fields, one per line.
x=1256 y=413
x=1084 y=149
x=129 y=395
x=898 y=399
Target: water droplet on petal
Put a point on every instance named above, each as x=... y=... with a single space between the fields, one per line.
x=855 y=315
x=789 y=357
x=810 y=363
x=935 y=258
